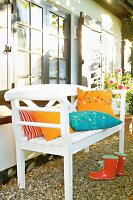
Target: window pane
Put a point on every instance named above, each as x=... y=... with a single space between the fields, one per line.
x=22 y=64
x=62 y=81
x=61 y=26
x=53 y=46
x=53 y=67
x=36 y=16
x=23 y=81
x=95 y=49
x=23 y=11
x=53 y=81
x=3 y=60
x=61 y=48
x=23 y=38
x=62 y=68
x=35 y=81
x=53 y=24
x=36 y=41
x=3 y=14
x=36 y=64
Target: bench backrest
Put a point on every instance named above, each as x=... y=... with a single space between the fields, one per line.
x=65 y=95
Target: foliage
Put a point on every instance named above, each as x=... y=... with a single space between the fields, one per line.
x=130 y=107
x=128 y=27
x=116 y=80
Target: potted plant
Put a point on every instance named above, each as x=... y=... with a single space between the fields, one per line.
x=116 y=80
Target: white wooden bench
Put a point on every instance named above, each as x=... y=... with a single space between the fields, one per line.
x=67 y=144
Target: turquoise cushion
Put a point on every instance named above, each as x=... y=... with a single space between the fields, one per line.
x=92 y=120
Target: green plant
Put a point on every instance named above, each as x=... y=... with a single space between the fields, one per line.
x=130 y=106
x=116 y=80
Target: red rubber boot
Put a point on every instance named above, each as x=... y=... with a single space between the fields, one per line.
x=121 y=163
x=109 y=170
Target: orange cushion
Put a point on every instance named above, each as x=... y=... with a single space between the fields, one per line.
x=95 y=100
x=49 y=117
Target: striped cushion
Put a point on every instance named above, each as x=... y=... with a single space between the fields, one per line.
x=30 y=131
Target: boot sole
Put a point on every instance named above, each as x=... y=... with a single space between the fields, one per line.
x=119 y=174
x=102 y=178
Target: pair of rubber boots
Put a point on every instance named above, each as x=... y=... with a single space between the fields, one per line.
x=113 y=165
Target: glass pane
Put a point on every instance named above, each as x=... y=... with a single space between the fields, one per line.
x=23 y=38
x=22 y=81
x=3 y=73
x=95 y=49
x=3 y=59
x=3 y=40
x=53 y=24
x=62 y=81
x=53 y=46
x=36 y=16
x=36 y=41
x=53 y=81
x=23 y=11
x=53 y=67
x=61 y=26
x=36 y=65
x=35 y=81
x=62 y=68
x=61 y=48
x=3 y=14
x=22 y=69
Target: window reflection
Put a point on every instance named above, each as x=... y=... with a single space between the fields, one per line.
x=3 y=60
x=36 y=16
x=53 y=46
x=36 y=65
x=91 y=54
x=3 y=15
x=23 y=11
x=3 y=73
x=62 y=68
x=23 y=81
x=36 y=41
x=22 y=38
x=62 y=81
x=61 y=26
x=110 y=52
x=61 y=48
x=58 y=48
x=53 y=81
x=53 y=21
x=35 y=81
x=30 y=20
x=22 y=68
x=29 y=42
x=53 y=67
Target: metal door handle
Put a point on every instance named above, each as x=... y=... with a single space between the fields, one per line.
x=7 y=49
x=62 y=77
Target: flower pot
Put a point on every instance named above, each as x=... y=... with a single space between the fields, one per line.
x=128 y=123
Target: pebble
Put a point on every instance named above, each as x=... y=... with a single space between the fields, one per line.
x=45 y=182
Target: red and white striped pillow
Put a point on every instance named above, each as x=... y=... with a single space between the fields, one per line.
x=30 y=131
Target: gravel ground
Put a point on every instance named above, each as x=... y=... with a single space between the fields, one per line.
x=46 y=181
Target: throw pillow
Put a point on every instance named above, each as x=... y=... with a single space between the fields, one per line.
x=95 y=101
x=30 y=131
x=92 y=120
x=49 y=117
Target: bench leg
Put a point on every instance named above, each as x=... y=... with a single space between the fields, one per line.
x=20 y=167
x=121 y=140
x=68 y=176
